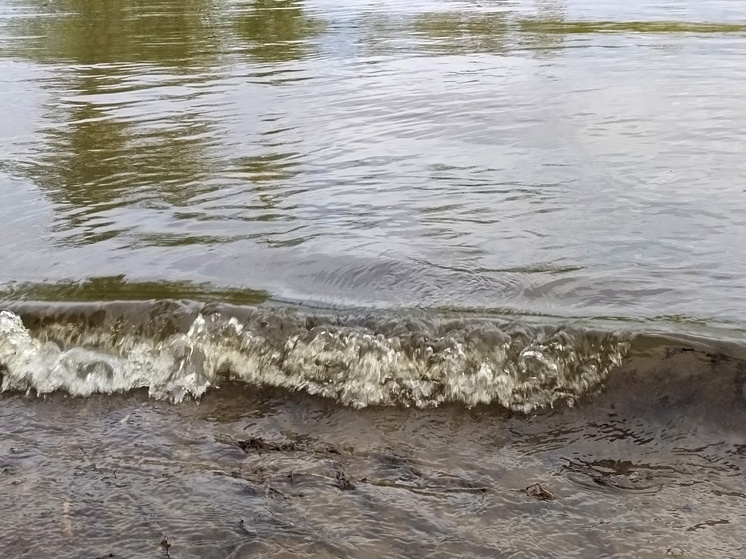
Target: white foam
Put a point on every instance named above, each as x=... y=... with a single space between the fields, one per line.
x=355 y=366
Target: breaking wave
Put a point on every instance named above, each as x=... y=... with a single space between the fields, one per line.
x=179 y=350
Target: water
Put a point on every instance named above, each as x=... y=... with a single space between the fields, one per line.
x=423 y=255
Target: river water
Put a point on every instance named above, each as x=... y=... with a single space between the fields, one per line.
x=373 y=279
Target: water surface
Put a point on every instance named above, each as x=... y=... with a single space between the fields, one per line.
x=348 y=279
x=564 y=158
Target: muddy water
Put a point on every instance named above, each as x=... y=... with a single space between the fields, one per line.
x=363 y=279
x=652 y=468
x=431 y=438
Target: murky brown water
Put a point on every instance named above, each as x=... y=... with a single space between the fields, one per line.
x=650 y=469
x=349 y=279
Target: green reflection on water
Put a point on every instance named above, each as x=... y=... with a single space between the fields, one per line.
x=101 y=31
x=111 y=140
x=94 y=161
x=93 y=157
x=166 y=32
x=558 y=26
x=456 y=32
x=119 y=289
x=277 y=30
x=99 y=146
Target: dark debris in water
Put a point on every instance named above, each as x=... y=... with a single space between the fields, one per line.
x=621 y=475
x=538 y=492
x=258 y=444
x=391 y=470
x=343 y=482
x=259 y=483
x=271 y=492
x=707 y=524
x=704 y=355
x=166 y=545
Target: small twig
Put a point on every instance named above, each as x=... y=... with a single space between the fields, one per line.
x=166 y=545
x=269 y=490
x=343 y=482
x=537 y=491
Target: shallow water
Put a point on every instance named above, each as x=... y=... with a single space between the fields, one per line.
x=565 y=158
x=423 y=255
x=652 y=468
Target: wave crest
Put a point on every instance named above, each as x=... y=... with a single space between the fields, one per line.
x=361 y=362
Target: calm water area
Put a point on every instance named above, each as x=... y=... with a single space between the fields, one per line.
x=326 y=278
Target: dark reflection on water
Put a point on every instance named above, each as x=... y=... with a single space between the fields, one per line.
x=112 y=31
x=119 y=289
x=277 y=31
x=83 y=167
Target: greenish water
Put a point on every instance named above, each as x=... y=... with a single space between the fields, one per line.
x=561 y=158
x=335 y=278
